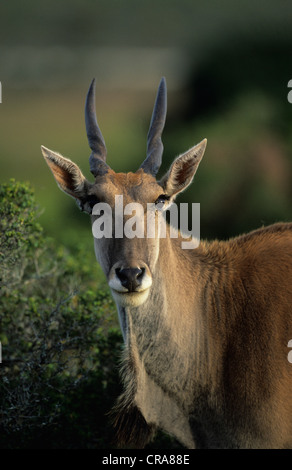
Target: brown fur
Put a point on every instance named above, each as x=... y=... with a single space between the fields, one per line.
x=235 y=388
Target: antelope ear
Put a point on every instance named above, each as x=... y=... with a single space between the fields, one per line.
x=69 y=177
x=183 y=169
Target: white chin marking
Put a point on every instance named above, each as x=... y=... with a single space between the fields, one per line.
x=131 y=299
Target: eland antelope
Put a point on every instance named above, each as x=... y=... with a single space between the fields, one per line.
x=205 y=330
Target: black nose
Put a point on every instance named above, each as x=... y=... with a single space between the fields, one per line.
x=131 y=278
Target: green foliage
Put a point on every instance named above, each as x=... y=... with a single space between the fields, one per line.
x=59 y=334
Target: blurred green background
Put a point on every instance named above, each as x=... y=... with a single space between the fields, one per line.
x=227 y=66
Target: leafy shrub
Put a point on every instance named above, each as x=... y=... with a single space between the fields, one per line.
x=59 y=335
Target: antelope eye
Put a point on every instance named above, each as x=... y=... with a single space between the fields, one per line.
x=160 y=201
x=92 y=200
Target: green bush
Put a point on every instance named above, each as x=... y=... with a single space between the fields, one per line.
x=59 y=335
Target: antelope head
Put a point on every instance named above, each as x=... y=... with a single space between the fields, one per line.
x=128 y=263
